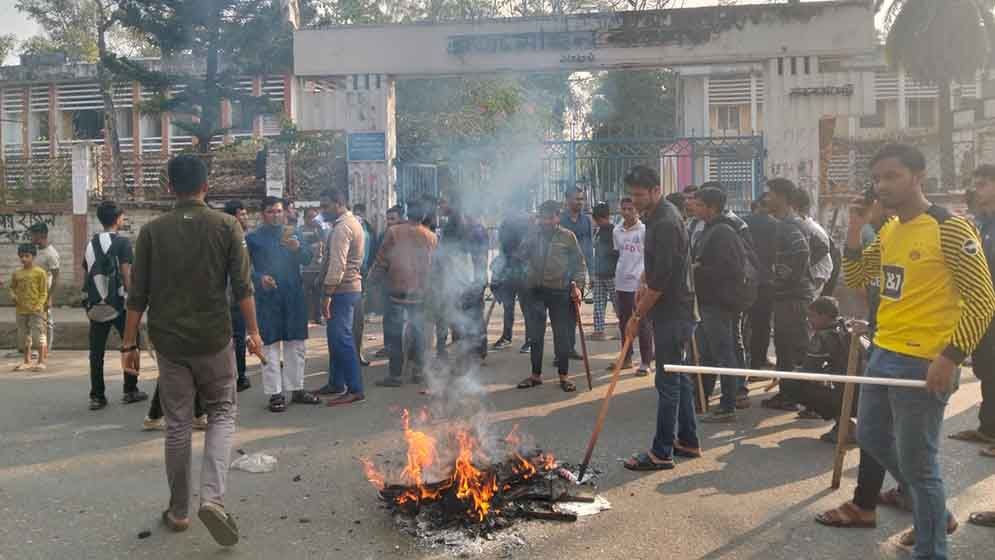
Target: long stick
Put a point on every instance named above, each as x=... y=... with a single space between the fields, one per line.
x=798 y=376
x=696 y=356
x=583 y=346
x=603 y=413
x=843 y=430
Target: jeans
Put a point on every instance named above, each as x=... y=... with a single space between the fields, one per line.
x=760 y=315
x=509 y=292
x=342 y=355
x=181 y=380
x=396 y=316
x=238 y=341
x=98 y=344
x=559 y=307
x=603 y=291
x=675 y=407
x=983 y=363
x=626 y=307
x=900 y=427
x=359 y=323
x=720 y=336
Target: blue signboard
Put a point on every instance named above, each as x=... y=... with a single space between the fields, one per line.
x=367 y=146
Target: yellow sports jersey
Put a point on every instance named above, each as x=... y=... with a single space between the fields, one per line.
x=936 y=291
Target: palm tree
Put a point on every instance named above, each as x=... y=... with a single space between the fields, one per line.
x=939 y=42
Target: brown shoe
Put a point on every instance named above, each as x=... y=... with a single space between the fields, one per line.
x=173 y=524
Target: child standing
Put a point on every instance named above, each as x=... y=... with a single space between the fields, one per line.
x=29 y=290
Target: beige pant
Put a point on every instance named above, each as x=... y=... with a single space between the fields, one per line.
x=180 y=380
x=31 y=330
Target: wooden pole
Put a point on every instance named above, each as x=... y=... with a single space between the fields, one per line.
x=603 y=413
x=843 y=432
x=583 y=346
x=696 y=356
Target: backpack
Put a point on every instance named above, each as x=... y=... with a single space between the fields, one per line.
x=742 y=293
x=103 y=289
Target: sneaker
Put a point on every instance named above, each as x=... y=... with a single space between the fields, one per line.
x=526 y=348
x=501 y=344
x=97 y=403
x=643 y=371
x=221 y=525
x=134 y=397
x=242 y=384
x=303 y=397
x=150 y=425
x=200 y=422
x=720 y=417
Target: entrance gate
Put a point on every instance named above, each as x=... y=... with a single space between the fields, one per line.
x=544 y=171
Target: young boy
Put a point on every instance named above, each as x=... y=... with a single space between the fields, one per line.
x=29 y=290
x=603 y=270
x=828 y=350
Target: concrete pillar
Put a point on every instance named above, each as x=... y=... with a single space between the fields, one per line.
x=53 y=123
x=257 y=121
x=84 y=176
x=903 y=108
x=753 y=104
x=136 y=135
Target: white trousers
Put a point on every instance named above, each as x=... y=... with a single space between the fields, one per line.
x=277 y=380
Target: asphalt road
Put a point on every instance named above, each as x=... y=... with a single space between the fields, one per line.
x=81 y=484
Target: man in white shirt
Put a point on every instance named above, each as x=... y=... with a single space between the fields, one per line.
x=628 y=238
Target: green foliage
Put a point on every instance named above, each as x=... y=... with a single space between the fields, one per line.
x=633 y=104
x=248 y=36
x=7 y=44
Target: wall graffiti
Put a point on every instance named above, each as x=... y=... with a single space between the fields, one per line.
x=14 y=227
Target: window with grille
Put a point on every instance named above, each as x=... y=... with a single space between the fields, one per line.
x=921 y=113
x=728 y=119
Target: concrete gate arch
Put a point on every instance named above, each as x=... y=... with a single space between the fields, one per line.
x=345 y=75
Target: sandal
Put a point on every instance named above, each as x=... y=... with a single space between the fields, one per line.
x=982 y=518
x=175 y=525
x=847 y=516
x=221 y=526
x=682 y=450
x=894 y=498
x=277 y=404
x=973 y=436
x=567 y=385
x=990 y=452
x=908 y=538
x=644 y=462
x=303 y=397
x=529 y=382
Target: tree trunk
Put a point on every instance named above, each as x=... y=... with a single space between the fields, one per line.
x=110 y=116
x=945 y=130
x=211 y=109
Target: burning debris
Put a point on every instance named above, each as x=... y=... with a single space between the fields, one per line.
x=456 y=480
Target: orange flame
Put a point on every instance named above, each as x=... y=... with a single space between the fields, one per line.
x=470 y=481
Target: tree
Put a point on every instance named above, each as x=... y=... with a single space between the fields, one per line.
x=7 y=44
x=80 y=29
x=248 y=35
x=939 y=42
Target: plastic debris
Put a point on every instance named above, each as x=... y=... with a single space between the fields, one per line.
x=255 y=463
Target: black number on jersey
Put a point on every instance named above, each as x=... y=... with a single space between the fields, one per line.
x=892 y=281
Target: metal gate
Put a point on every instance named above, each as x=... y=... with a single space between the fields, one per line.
x=416 y=180
x=486 y=173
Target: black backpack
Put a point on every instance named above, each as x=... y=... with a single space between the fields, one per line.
x=103 y=289
x=742 y=293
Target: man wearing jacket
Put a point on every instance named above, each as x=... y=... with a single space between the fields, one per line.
x=793 y=286
x=343 y=287
x=763 y=230
x=556 y=274
x=719 y=263
x=404 y=260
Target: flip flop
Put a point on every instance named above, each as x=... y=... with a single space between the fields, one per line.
x=972 y=436
x=682 y=450
x=646 y=463
x=529 y=382
x=982 y=518
x=846 y=516
x=221 y=526
x=894 y=498
x=174 y=525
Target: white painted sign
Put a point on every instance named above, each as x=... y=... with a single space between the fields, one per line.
x=82 y=176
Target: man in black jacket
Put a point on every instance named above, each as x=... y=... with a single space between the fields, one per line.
x=793 y=287
x=763 y=228
x=719 y=264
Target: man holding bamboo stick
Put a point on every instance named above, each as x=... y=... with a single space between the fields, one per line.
x=936 y=303
x=667 y=300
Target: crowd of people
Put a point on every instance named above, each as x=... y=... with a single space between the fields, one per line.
x=688 y=279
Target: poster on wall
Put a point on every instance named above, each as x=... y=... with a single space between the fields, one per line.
x=276 y=173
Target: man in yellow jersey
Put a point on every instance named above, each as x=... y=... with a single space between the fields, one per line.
x=936 y=303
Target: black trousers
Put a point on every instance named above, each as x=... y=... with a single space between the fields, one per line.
x=983 y=363
x=870 y=481
x=760 y=316
x=509 y=292
x=238 y=340
x=790 y=340
x=824 y=400
x=99 y=332
x=556 y=304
